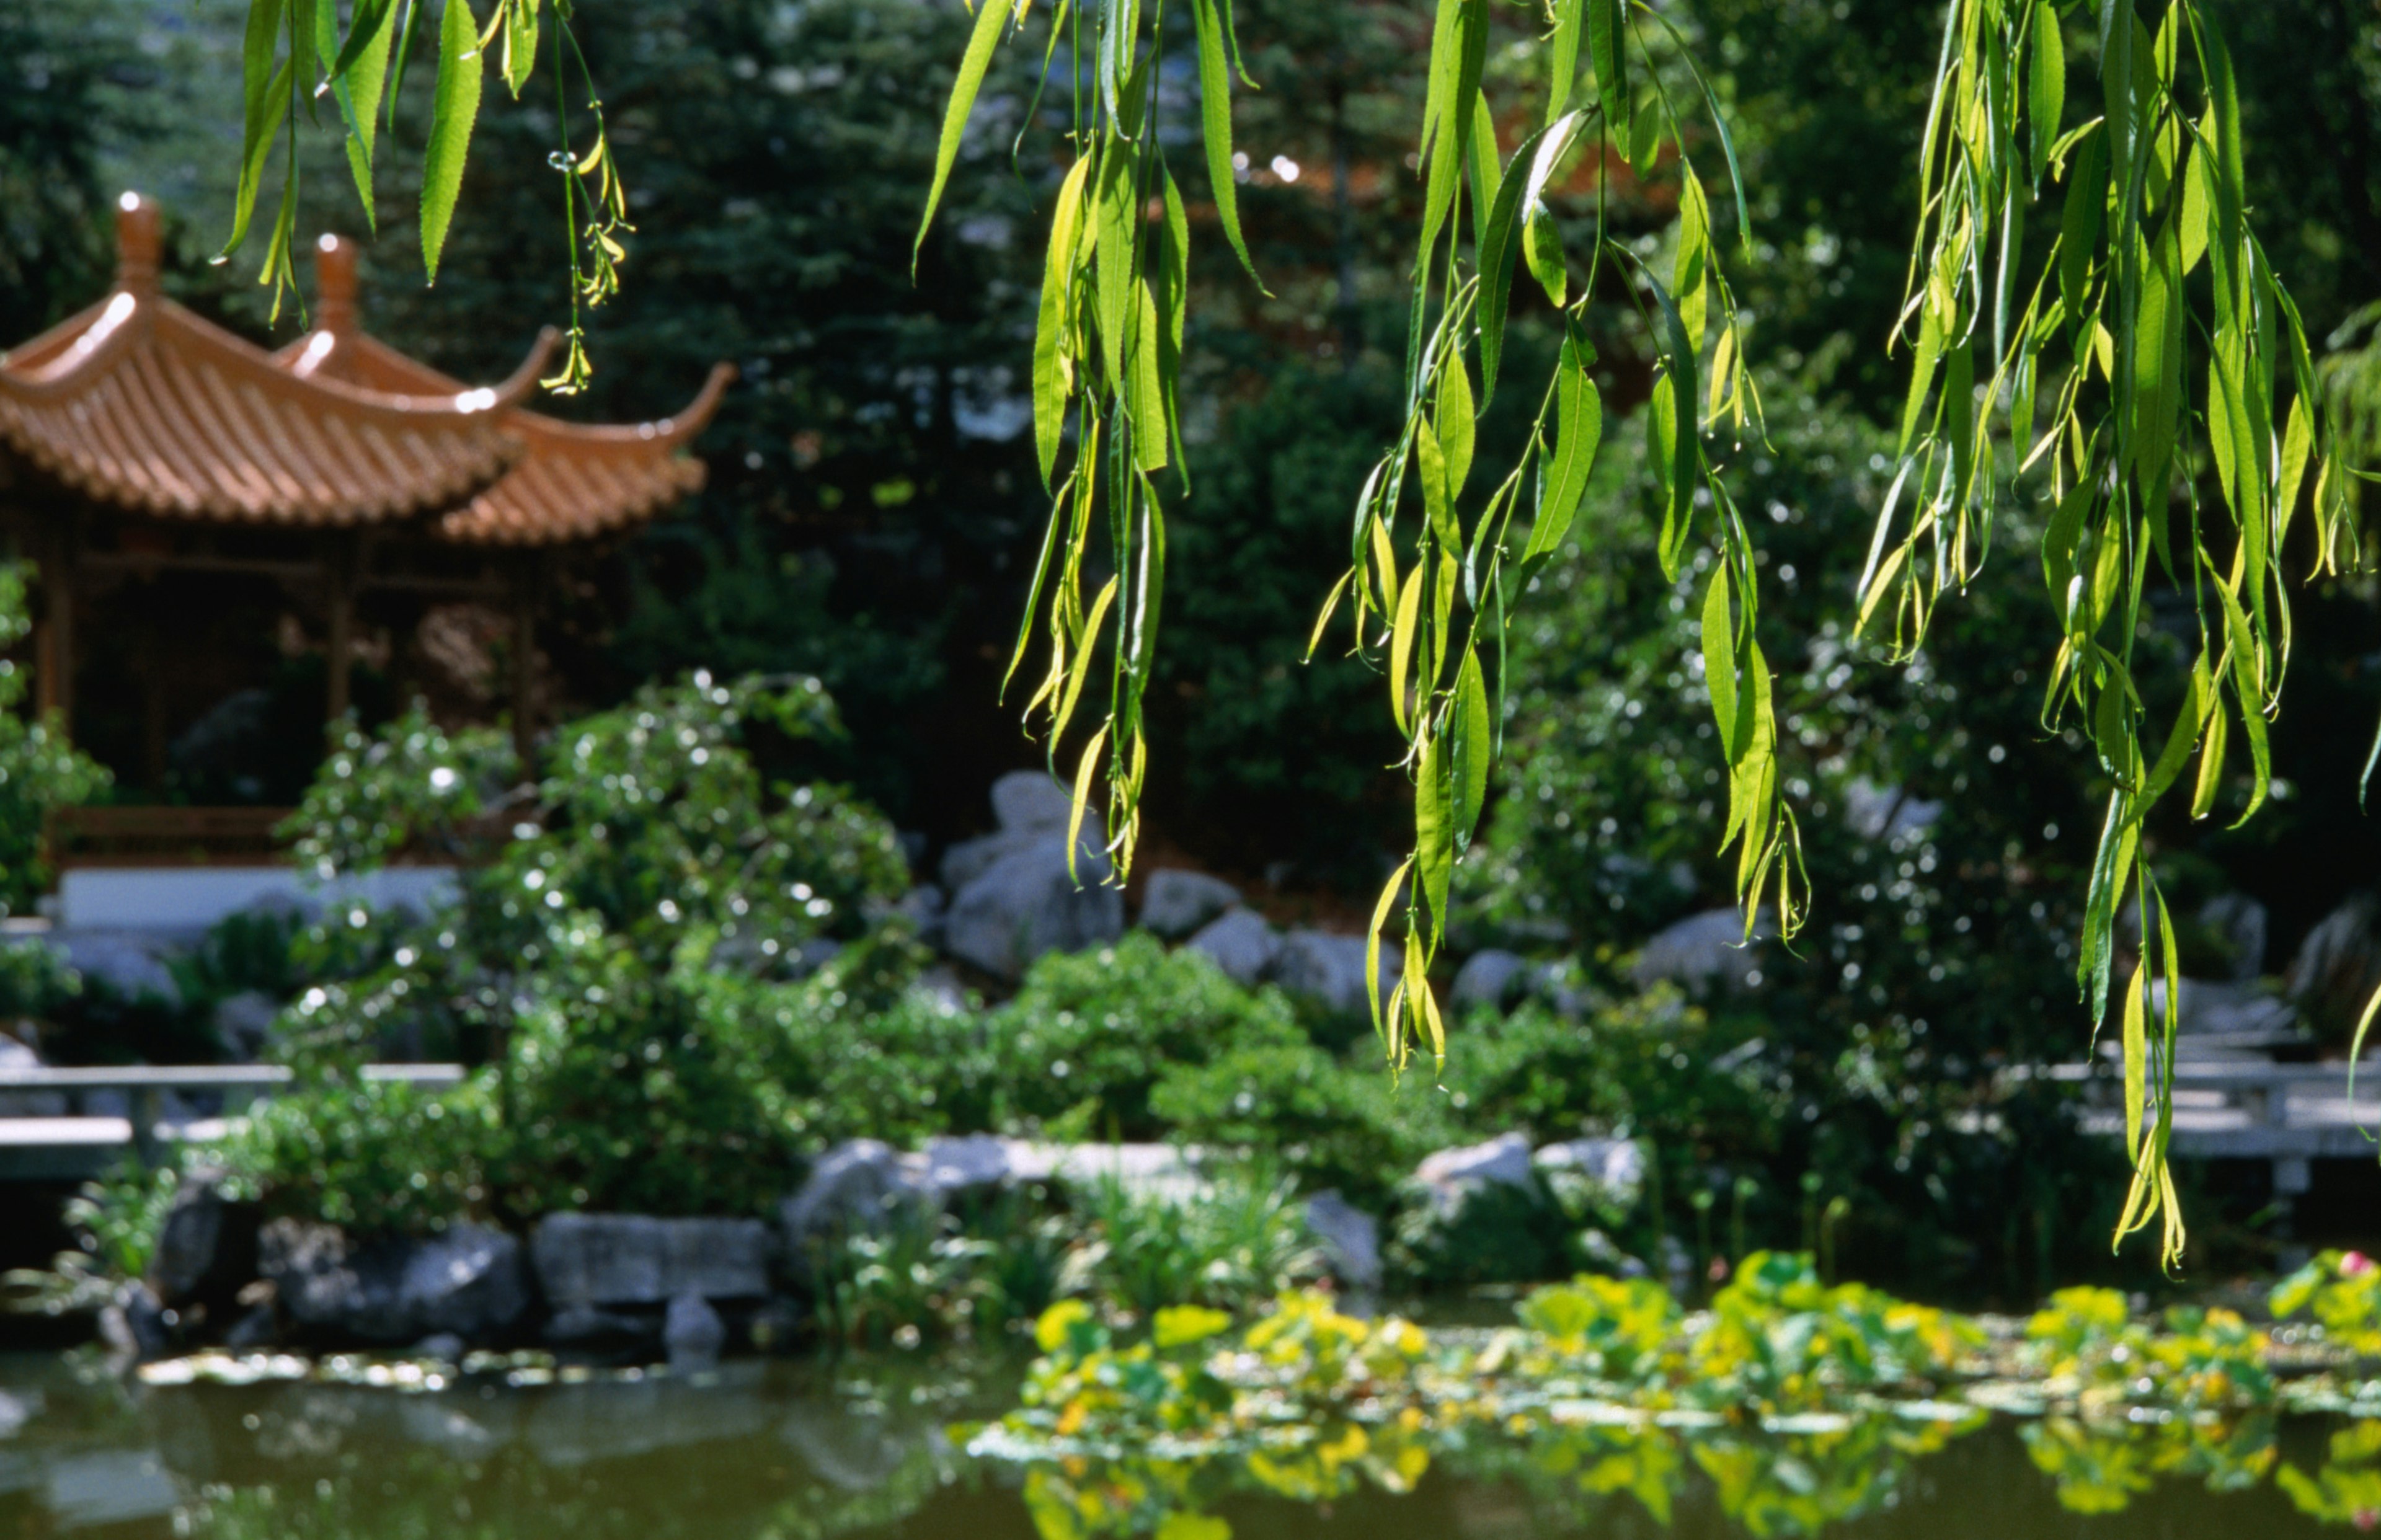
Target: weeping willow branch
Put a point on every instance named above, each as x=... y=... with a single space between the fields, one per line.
x=1107 y=367
x=295 y=53
x=2120 y=388
x=1436 y=624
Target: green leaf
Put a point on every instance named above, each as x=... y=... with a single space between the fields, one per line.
x=989 y=15
x=1455 y=81
x=1215 y=127
x=1436 y=503
x=265 y=91
x=1671 y=431
x=1117 y=218
x=1401 y=643
x=1051 y=323
x=1455 y=428
x=1387 y=901
x=1434 y=832
x=404 y=52
x=2047 y=85
x=2079 y=225
x=520 y=44
x=1579 y=429
x=1541 y=243
x=1474 y=744
x=1496 y=256
x=1719 y=664
x=1691 y=274
x=1144 y=391
x=368 y=18
x=1645 y=133
x=1607 y=46
x=453 y=108
x=1487 y=174
x=1570 y=29
x=364 y=73
x=2158 y=377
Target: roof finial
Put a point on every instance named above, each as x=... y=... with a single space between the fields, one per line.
x=335 y=284
x=136 y=243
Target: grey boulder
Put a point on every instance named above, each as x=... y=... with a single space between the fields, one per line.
x=1028 y=800
x=2337 y=968
x=1242 y=944
x=1703 y=952
x=1329 y=970
x=692 y=1333
x=1026 y=902
x=1351 y=1240
x=1613 y=1170
x=1178 y=902
x=858 y=1185
x=206 y=1248
x=1490 y=978
x=852 y=1187
x=135 y=1324
x=466 y=1280
x=1451 y=1176
x=636 y=1259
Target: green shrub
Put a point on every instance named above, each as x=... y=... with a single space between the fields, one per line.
x=1092 y=1034
x=1239 y=1238
x=376 y=1156
x=40 y=771
x=1333 y=1124
x=627 y=963
x=36 y=980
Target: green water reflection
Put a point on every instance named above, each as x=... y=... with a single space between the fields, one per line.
x=814 y=1452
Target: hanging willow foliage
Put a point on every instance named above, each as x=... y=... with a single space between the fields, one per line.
x=2106 y=370
x=2118 y=377
x=295 y=53
x=1435 y=564
x=1107 y=367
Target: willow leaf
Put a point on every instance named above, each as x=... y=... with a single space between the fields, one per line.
x=2046 y=85
x=362 y=78
x=264 y=93
x=1434 y=831
x=1579 y=429
x=1455 y=425
x=1054 y=319
x=1497 y=243
x=1607 y=46
x=989 y=16
x=1388 y=901
x=1437 y=504
x=1215 y=129
x=1474 y=744
x=1719 y=660
x=1691 y=274
x=1570 y=31
x=454 y=109
x=1401 y=643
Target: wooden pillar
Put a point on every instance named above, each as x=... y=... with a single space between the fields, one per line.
x=339 y=580
x=524 y=665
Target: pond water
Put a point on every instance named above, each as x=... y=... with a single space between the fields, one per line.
x=812 y=1451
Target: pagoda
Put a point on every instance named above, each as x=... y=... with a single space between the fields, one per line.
x=203 y=514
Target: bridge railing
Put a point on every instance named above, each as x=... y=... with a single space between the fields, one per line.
x=82 y=1144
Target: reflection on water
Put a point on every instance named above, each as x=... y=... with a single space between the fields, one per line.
x=801 y=1452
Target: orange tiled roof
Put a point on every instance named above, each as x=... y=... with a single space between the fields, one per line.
x=138 y=403
x=573 y=482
